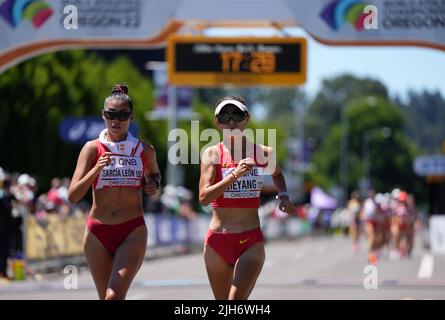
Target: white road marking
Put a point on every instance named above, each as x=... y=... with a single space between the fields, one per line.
x=426 y=267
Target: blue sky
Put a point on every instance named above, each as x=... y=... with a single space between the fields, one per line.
x=399 y=68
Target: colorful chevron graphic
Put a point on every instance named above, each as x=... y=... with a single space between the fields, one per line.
x=337 y=12
x=14 y=11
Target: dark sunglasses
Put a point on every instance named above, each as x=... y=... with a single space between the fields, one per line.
x=224 y=118
x=119 y=115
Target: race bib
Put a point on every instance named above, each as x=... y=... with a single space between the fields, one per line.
x=247 y=186
x=123 y=171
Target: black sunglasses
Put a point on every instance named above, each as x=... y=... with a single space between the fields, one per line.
x=225 y=117
x=119 y=115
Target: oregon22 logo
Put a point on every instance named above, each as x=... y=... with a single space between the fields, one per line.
x=356 y=12
x=15 y=11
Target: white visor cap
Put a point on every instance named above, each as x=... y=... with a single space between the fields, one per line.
x=236 y=103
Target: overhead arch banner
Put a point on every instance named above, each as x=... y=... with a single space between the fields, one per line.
x=373 y=22
x=336 y=22
x=32 y=27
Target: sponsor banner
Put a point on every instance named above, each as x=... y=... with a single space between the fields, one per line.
x=53 y=236
x=335 y=22
x=33 y=27
x=429 y=165
x=169 y=230
x=39 y=20
x=373 y=22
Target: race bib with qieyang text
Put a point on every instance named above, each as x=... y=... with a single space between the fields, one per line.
x=247 y=186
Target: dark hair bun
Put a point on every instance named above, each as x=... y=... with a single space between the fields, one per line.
x=120 y=88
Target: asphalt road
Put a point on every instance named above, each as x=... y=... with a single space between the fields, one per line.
x=311 y=268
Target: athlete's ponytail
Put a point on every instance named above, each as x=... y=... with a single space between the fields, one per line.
x=120 y=88
x=119 y=92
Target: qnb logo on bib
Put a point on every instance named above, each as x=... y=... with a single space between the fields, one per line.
x=122 y=171
x=247 y=186
x=121 y=161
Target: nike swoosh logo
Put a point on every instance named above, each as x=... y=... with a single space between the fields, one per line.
x=242 y=241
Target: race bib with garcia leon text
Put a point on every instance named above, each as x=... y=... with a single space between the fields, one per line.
x=123 y=171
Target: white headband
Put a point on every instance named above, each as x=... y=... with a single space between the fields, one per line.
x=236 y=103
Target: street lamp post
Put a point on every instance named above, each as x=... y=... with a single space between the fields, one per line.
x=174 y=175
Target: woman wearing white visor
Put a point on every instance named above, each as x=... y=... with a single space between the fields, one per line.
x=232 y=175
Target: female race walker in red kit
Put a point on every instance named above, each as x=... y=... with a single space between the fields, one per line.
x=232 y=175
x=117 y=166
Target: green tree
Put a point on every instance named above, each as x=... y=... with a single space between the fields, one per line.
x=390 y=156
x=38 y=94
x=335 y=93
x=424 y=113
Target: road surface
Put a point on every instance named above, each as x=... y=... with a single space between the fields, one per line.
x=322 y=267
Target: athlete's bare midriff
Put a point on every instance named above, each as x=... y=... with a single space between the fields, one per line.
x=116 y=205
x=234 y=220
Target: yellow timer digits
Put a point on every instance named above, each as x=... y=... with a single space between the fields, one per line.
x=255 y=62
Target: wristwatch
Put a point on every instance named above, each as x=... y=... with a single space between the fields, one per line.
x=280 y=194
x=157 y=184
